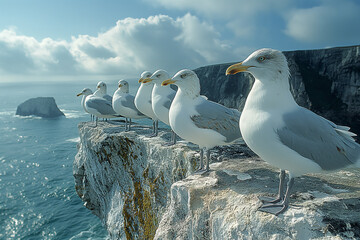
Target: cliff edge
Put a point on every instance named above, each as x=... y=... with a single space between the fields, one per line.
x=143 y=190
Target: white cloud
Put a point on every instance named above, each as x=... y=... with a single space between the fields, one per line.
x=331 y=23
x=23 y=54
x=131 y=46
x=239 y=16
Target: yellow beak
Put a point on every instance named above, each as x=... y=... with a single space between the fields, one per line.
x=167 y=82
x=120 y=85
x=141 y=80
x=236 y=68
x=79 y=94
x=146 y=80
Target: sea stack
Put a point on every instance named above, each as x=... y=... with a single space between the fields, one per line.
x=41 y=106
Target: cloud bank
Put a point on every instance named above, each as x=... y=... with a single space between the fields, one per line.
x=325 y=22
x=331 y=23
x=128 y=48
x=209 y=32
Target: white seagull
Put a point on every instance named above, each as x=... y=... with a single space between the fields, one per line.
x=284 y=134
x=161 y=99
x=123 y=104
x=85 y=92
x=102 y=91
x=200 y=121
x=143 y=101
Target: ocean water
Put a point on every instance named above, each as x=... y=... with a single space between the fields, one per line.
x=37 y=193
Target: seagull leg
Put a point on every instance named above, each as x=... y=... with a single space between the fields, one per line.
x=208 y=160
x=126 y=124
x=155 y=129
x=280 y=196
x=129 y=126
x=278 y=208
x=201 y=169
x=96 y=121
x=173 y=139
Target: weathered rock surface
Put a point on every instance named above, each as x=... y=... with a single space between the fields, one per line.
x=223 y=205
x=326 y=81
x=125 y=178
x=41 y=106
x=142 y=190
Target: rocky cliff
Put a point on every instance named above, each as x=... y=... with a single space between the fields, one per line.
x=143 y=190
x=327 y=81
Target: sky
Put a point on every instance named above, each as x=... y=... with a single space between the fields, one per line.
x=84 y=40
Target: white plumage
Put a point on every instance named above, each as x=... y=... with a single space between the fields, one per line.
x=283 y=133
x=195 y=119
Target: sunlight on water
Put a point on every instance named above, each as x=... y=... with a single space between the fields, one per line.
x=37 y=193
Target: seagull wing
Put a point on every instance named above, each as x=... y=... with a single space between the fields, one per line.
x=108 y=97
x=169 y=99
x=218 y=118
x=318 y=139
x=101 y=105
x=128 y=102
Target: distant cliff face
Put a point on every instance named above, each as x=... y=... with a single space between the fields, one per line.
x=326 y=81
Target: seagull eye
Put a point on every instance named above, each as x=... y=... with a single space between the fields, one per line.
x=183 y=75
x=261 y=58
x=158 y=75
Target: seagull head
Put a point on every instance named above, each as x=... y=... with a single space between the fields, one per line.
x=101 y=86
x=145 y=74
x=263 y=64
x=85 y=92
x=124 y=86
x=186 y=80
x=157 y=77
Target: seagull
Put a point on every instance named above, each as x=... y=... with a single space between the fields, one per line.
x=100 y=107
x=200 y=121
x=102 y=91
x=143 y=101
x=161 y=99
x=123 y=104
x=85 y=92
x=284 y=134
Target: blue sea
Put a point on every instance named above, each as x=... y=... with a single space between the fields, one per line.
x=37 y=193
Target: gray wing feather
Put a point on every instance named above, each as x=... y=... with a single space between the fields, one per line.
x=108 y=97
x=318 y=139
x=128 y=101
x=218 y=118
x=170 y=98
x=101 y=105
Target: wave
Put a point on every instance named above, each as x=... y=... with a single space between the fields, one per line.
x=28 y=117
x=75 y=140
x=73 y=113
x=91 y=234
x=7 y=113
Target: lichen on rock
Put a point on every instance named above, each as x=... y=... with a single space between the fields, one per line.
x=135 y=170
